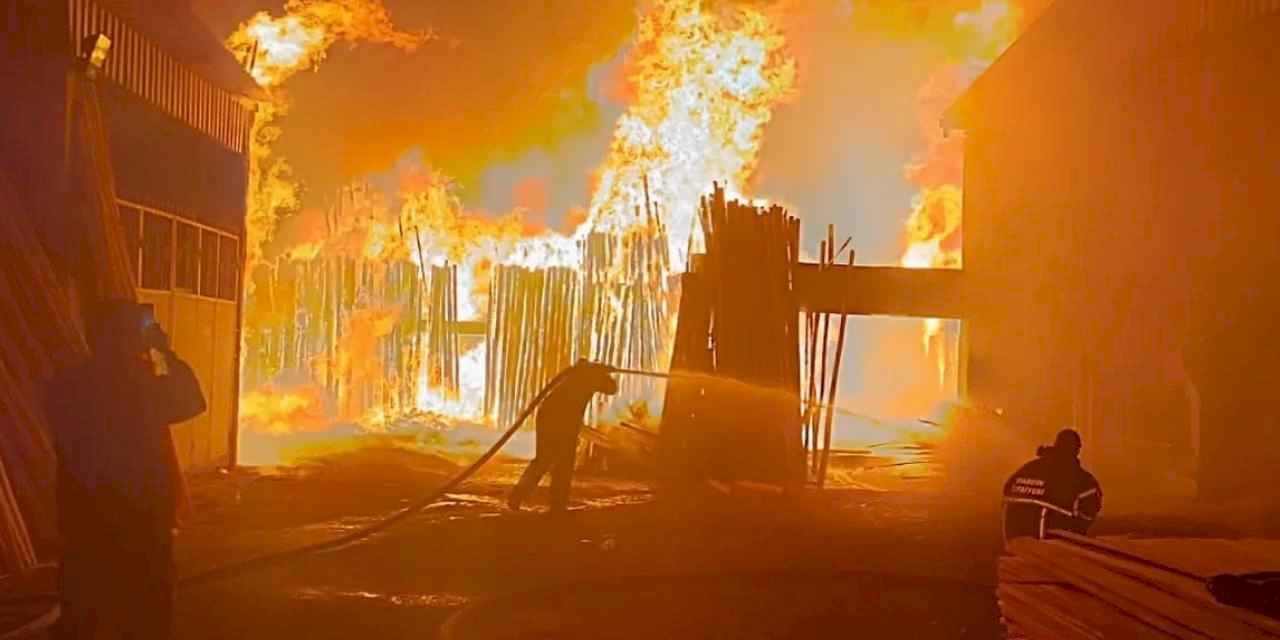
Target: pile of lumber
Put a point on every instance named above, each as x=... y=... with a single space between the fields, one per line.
x=627 y=302
x=302 y=318
x=442 y=331
x=48 y=282
x=738 y=327
x=1071 y=586
x=367 y=327
x=40 y=334
x=614 y=310
x=530 y=335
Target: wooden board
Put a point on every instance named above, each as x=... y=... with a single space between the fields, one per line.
x=1074 y=586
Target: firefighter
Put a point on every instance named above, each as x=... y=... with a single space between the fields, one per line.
x=1051 y=492
x=559 y=423
x=110 y=419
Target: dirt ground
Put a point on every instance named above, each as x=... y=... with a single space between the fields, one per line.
x=469 y=549
x=883 y=551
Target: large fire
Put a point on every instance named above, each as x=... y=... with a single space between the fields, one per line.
x=704 y=83
x=933 y=230
x=274 y=49
x=359 y=307
x=704 y=86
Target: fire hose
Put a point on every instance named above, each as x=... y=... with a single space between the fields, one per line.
x=271 y=559
x=234 y=569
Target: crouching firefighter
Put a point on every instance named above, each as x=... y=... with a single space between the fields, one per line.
x=558 y=426
x=1051 y=492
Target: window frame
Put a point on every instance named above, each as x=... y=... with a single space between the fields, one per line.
x=186 y=254
x=135 y=247
x=221 y=237
x=209 y=288
x=235 y=265
x=168 y=268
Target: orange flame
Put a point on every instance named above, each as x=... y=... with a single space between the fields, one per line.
x=702 y=84
x=705 y=85
x=300 y=39
x=281 y=47
x=933 y=229
x=279 y=411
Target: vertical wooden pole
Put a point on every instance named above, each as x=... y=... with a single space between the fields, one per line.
x=822 y=367
x=831 y=393
x=454 y=346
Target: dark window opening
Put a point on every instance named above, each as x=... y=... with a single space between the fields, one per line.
x=229 y=268
x=157 y=252
x=209 y=265
x=187 y=267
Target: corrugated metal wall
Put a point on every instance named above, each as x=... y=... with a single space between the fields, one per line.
x=178 y=144
x=141 y=67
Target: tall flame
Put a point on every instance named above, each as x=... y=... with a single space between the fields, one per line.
x=933 y=229
x=274 y=49
x=705 y=85
x=300 y=39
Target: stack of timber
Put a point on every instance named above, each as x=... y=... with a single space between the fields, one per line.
x=615 y=310
x=530 y=335
x=40 y=335
x=442 y=331
x=360 y=326
x=64 y=253
x=307 y=315
x=626 y=306
x=1073 y=587
x=739 y=328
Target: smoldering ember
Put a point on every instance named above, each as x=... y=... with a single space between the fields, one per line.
x=822 y=318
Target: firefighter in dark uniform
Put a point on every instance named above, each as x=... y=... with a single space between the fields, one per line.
x=110 y=419
x=559 y=423
x=1052 y=492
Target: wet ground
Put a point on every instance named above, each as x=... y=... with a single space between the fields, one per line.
x=755 y=549
x=881 y=551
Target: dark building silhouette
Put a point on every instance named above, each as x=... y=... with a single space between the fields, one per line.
x=1120 y=228
x=177 y=111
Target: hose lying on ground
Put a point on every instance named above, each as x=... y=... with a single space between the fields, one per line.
x=271 y=559
x=260 y=562
x=234 y=569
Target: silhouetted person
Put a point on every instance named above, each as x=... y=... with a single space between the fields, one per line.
x=1052 y=492
x=116 y=497
x=559 y=422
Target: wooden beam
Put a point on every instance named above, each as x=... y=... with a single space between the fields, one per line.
x=890 y=291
